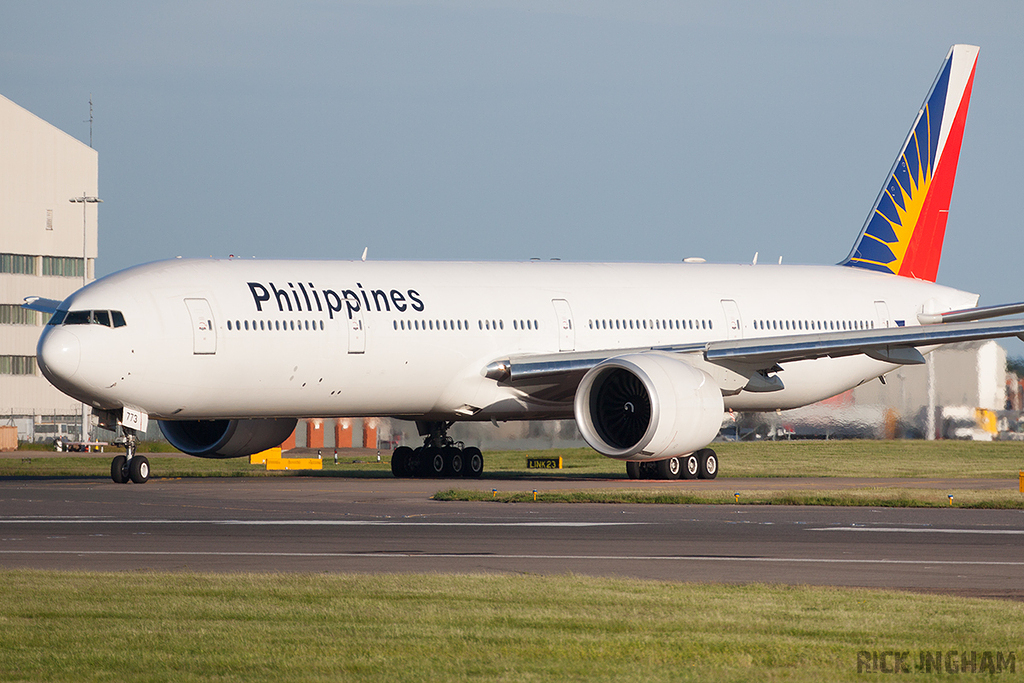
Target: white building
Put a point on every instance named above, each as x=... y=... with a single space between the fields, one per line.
x=967 y=377
x=43 y=245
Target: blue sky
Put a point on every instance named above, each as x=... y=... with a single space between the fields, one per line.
x=618 y=131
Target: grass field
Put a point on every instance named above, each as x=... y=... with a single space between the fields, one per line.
x=939 y=459
x=868 y=497
x=179 y=627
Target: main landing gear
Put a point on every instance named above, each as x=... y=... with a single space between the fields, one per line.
x=440 y=456
x=702 y=464
x=129 y=467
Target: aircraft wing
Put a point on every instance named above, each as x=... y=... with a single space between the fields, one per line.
x=893 y=344
x=554 y=377
x=41 y=304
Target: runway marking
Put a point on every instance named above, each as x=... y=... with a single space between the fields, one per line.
x=904 y=530
x=304 y=522
x=489 y=556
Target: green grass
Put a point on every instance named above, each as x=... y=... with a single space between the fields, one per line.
x=939 y=459
x=179 y=627
x=869 y=497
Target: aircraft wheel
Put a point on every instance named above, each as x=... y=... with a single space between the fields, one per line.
x=138 y=469
x=690 y=466
x=400 y=462
x=708 y=463
x=669 y=468
x=632 y=470
x=473 y=461
x=414 y=463
x=117 y=469
x=454 y=463
x=434 y=460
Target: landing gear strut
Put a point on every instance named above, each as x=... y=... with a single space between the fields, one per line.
x=439 y=456
x=702 y=464
x=129 y=467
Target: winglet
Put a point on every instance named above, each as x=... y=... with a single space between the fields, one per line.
x=904 y=231
x=41 y=304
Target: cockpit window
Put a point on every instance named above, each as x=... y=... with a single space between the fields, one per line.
x=105 y=318
x=78 y=318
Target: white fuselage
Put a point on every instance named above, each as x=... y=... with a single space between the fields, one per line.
x=245 y=338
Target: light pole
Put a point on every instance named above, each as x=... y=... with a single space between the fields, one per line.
x=85 y=200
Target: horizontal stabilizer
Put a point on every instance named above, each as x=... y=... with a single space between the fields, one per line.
x=966 y=314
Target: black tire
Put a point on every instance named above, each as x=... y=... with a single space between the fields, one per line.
x=433 y=462
x=454 y=463
x=690 y=466
x=473 y=460
x=669 y=468
x=414 y=463
x=632 y=469
x=708 y=463
x=649 y=470
x=138 y=469
x=400 y=461
x=118 y=469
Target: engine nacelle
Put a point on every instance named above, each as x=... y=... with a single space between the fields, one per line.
x=648 y=406
x=226 y=438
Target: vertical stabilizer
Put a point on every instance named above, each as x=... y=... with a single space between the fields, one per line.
x=903 y=233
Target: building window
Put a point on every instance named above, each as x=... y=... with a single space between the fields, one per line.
x=62 y=266
x=13 y=314
x=18 y=263
x=49 y=219
x=17 y=365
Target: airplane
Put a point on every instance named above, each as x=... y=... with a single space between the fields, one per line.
x=227 y=353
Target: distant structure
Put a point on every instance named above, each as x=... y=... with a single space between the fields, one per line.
x=44 y=251
x=973 y=399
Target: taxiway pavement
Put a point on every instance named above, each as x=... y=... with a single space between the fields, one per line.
x=306 y=524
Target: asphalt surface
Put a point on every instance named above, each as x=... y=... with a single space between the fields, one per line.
x=387 y=525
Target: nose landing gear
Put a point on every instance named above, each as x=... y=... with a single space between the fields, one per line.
x=129 y=467
x=440 y=455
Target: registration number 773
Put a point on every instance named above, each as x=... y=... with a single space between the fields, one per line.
x=134 y=419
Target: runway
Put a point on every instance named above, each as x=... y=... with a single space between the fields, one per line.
x=386 y=525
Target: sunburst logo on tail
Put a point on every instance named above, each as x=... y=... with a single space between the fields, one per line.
x=904 y=232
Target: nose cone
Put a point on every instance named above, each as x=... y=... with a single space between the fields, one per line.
x=58 y=354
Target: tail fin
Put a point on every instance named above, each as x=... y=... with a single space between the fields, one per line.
x=903 y=233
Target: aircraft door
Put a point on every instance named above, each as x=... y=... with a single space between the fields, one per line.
x=733 y=322
x=566 y=334
x=204 y=334
x=882 y=311
x=356 y=331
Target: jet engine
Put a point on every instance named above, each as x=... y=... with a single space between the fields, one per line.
x=226 y=438
x=647 y=406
